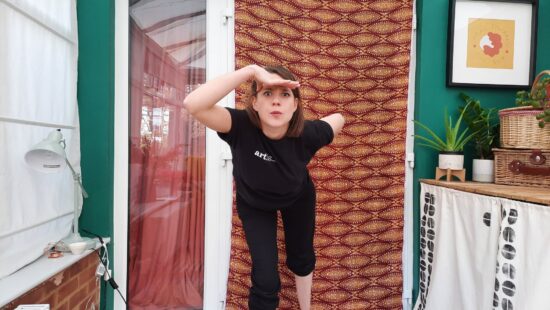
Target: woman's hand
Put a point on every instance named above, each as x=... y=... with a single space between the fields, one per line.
x=266 y=79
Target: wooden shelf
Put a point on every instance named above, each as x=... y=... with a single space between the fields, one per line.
x=539 y=195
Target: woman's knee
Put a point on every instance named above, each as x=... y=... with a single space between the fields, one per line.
x=266 y=281
x=301 y=265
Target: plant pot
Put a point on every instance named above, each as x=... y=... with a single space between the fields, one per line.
x=483 y=170
x=451 y=160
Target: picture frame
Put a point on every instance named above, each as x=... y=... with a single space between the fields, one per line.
x=492 y=43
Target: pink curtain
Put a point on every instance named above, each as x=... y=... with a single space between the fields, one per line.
x=167 y=167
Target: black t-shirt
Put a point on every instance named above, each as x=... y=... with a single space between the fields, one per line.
x=272 y=173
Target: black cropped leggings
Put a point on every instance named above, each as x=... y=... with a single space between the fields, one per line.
x=260 y=229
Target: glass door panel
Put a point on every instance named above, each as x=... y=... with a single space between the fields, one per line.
x=167 y=156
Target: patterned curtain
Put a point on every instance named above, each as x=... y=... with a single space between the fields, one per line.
x=351 y=57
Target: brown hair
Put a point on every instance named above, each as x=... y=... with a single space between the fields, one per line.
x=296 y=125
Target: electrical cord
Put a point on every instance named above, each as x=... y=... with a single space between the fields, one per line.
x=104 y=259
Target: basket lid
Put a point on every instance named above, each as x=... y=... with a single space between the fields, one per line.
x=528 y=151
x=520 y=111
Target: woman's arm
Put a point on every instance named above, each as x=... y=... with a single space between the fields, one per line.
x=336 y=121
x=201 y=103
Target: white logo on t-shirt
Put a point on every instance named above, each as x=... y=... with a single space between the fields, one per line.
x=264 y=156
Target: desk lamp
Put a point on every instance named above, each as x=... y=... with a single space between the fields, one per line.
x=49 y=156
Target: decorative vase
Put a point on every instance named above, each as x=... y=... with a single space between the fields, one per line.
x=483 y=170
x=451 y=160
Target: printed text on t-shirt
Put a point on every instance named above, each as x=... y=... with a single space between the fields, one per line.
x=264 y=156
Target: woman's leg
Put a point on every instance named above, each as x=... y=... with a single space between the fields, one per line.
x=299 y=226
x=303 y=290
x=260 y=229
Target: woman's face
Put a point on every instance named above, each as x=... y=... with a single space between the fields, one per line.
x=275 y=106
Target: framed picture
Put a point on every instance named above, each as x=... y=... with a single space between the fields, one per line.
x=491 y=43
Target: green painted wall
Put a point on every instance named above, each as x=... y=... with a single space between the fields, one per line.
x=96 y=110
x=432 y=96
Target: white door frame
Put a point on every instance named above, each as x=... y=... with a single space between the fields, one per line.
x=220 y=59
x=218 y=193
x=408 y=222
x=120 y=161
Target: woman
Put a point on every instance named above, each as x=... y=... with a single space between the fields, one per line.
x=271 y=145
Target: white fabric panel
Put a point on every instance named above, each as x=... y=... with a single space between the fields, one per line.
x=54 y=12
x=523 y=278
x=461 y=272
x=37 y=83
x=38 y=71
x=26 y=246
x=430 y=223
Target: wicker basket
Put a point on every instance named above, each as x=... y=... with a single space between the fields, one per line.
x=519 y=128
x=522 y=167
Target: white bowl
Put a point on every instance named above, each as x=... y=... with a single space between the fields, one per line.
x=77 y=247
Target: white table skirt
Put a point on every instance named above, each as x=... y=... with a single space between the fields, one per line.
x=482 y=252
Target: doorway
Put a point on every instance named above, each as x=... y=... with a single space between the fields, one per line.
x=176 y=214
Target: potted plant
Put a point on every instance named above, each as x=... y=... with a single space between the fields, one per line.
x=450 y=147
x=484 y=125
x=538 y=97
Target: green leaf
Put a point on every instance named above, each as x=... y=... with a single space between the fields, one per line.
x=430 y=132
x=427 y=140
x=431 y=146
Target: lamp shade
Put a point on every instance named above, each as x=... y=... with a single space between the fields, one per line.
x=48 y=156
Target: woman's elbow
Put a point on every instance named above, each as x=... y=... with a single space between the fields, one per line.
x=189 y=105
x=341 y=119
x=336 y=121
x=339 y=122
